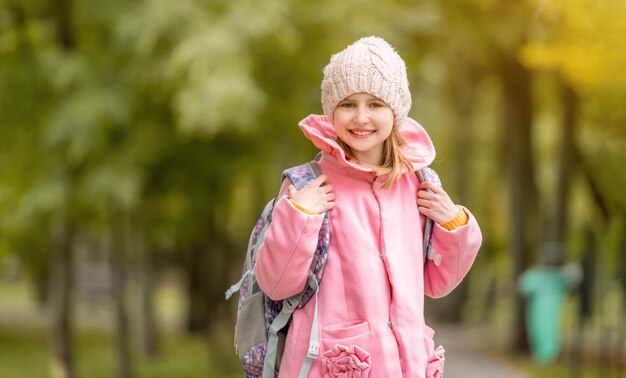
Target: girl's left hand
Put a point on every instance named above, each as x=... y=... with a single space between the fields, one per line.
x=436 y=205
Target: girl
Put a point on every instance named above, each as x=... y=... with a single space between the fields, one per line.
x=371 y=305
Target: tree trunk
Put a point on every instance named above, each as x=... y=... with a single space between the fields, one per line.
x=61 y=261
x=62 y=254
x=63 y=9
x=150 y=336
x=197 y=274
x=566 y=165
x=222 y=262
x=462 y=85
x=522 y=190
x=119 y=254
x=621 y=272
x=596 y=194
x=585 y=300
x=208 y=267
x=463 y=89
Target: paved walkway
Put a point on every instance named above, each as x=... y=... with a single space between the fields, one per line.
x=467 y=355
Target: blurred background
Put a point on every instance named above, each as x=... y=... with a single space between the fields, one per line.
x=139 y=141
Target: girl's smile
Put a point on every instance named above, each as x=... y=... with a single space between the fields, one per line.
x=362 y=133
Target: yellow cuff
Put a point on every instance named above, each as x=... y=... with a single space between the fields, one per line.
x=456 y=222
x=302 y=209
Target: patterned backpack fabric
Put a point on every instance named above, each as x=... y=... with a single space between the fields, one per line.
x=261 y=322
x=429 y=175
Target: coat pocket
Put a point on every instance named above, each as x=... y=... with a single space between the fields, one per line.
x=344 y=350
x=346 y=330
x=436 y=358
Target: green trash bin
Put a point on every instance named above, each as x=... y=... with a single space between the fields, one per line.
x=546 y=289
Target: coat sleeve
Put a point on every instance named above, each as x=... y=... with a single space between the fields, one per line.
x=284 y=257
x=458 y=249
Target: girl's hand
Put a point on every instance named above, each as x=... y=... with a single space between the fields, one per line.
x=436 y=205
x=314 y=197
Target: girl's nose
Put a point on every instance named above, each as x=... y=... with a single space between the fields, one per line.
x=362 y=115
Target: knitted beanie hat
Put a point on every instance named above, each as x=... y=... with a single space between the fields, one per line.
x=369 y=65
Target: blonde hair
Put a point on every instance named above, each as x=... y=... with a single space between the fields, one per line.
x=394 y=162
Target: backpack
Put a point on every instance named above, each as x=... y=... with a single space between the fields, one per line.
x=262 y=323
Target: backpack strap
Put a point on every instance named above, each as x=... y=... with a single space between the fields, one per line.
x=289 y=306
x=281 y=320
x=314 y=345
x=300 y=176
x=427 y=174
x=315 y=166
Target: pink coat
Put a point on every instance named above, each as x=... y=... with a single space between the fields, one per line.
x=371 y=298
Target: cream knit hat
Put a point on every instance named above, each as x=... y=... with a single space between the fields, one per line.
x=369 y=65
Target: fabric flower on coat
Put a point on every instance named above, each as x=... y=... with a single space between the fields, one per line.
x=434 y=369
x=346 y=362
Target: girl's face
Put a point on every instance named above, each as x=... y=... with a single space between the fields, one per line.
x=364 y=122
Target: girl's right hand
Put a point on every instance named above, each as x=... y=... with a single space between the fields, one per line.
x=315 y=197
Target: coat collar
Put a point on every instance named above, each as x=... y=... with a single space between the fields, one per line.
x=419 y=149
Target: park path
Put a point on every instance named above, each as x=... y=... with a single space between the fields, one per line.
x=470 y=353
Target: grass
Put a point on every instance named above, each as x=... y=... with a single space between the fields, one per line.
x=16 y=295
x=25 y=345
x=25 y=353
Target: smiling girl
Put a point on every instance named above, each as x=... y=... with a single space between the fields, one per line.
x=371 y=300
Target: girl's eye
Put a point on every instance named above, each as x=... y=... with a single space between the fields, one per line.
x=347 y=105
x=376 y=105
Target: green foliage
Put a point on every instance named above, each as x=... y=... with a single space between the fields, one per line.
x=185 y=113
x=583 y=44
x=201 y=53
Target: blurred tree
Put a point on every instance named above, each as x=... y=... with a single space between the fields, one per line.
x=193 y=62
x=62 y=257
x=162 y=128
x=453 y=87
x=478 y=44
x=582 y=43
